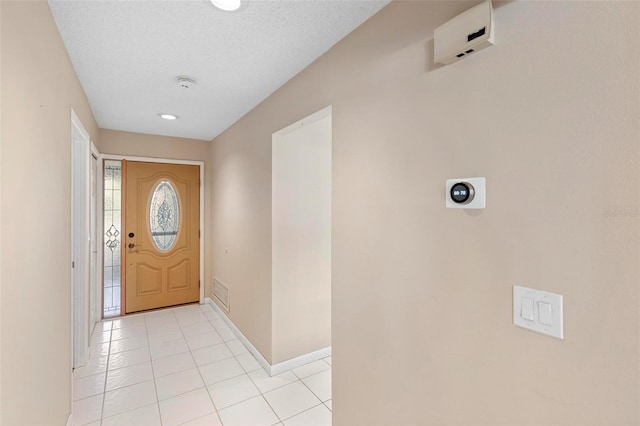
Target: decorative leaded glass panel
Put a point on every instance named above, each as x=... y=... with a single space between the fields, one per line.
x=164 y=216
x=112 y=236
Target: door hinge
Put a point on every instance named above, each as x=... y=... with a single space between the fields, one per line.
x=198 y=283
x=198 y=233
x=73 y=264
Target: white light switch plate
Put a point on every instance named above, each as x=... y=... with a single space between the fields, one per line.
x=545 y=322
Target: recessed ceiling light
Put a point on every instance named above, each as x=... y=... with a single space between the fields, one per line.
x=168 y=116
x=227 y=5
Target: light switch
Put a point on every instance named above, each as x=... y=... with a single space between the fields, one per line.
x=538 y=311
x=526 y=309
x=545 y=316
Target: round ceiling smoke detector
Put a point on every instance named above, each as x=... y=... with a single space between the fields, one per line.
x=186 y=83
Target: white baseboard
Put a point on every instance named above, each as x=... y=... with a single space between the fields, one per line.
x=70 y=420
x=275 y=369
x=256 y=353
x=292 y=363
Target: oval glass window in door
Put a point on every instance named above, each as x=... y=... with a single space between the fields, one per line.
x=164 y=216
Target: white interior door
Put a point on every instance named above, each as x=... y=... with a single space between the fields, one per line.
x=80 y=240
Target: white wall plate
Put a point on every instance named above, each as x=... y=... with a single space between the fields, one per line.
x=538 y=310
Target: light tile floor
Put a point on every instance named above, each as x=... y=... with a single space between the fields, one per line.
x=184 y=366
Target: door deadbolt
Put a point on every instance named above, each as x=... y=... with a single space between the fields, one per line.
x=131 y=235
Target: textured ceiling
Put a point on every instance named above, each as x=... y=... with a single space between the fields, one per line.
x=127 y=55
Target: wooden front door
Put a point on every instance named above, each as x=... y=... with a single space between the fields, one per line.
x=161 y=235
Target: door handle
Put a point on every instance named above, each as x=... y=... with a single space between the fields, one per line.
x=131 y=245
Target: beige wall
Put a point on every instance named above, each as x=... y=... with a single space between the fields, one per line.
x=301 y=237
x=551 y=110
x=241 y=223
x=171 y=148
x=39 y=88
x=142 y=145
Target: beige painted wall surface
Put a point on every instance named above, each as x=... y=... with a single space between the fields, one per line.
x=39 y=88
x=166 y=147
x=301 y=237
x=142 y=145
x=421 y=295
x=241 y=213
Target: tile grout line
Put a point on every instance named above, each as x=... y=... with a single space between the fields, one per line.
x=230 y=378
x=215 y=407
x=199 y=373
x=312 y=392
x=144 y=316
x=234 y=355
x=298 y=379
x=272 y=409
x=321 y=401
x=106 y=374
x=262 y=394
x=124 y=387
x=196 y=366
x=315 y=374
x=303 y=411
x=153 y=373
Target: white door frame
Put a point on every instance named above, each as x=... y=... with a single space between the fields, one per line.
x=96 y=293
x=80 y=234
x=174 y=161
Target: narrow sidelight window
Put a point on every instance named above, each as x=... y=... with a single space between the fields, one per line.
x=112 y=236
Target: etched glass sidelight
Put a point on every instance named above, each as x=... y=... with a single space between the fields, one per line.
x=164 y=216
x=112 y=236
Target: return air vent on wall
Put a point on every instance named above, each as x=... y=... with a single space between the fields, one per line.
x=221 y=293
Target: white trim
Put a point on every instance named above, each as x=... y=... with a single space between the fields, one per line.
x=150 y=159
x=276 y=369
x=70 y=420
x=318 y=115
x=256 y=353
x=100 y=239
x=98 y=289
x=80 y=248
x=76 y=122
x=174 y=161
x=298 y=361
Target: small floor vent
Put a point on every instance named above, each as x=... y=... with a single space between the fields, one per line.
x=221 y=293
